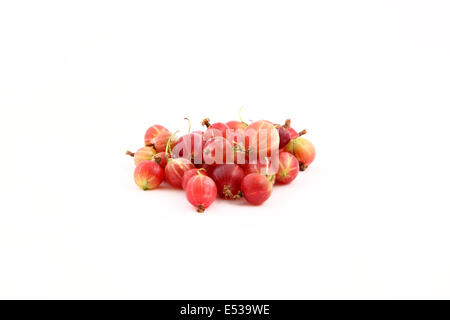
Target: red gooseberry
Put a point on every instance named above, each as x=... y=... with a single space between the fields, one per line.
x=190 y=146
x=175 y=170
x=303 y=150
x=152 y=132
x=263 y=138
x=160 y=142
x=256 y=188
x=201 y=191
x=287 y=168
x=228 y=179
x=144 y=153
x=157 y=136
x=148 y=175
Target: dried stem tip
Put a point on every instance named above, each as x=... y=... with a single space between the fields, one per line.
x=129 y=153
x=287 y=123
x=206 y=123
x=200 y=208
x=302 y=132
x=229 y=195
x=157 y=158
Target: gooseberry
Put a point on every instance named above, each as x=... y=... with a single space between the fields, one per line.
x=201 y=191
x=263 y=138
x=228 y=179
x=256 y=188
x=144 y=153
x=148 y=175
x=287 y=168
x=303 y=150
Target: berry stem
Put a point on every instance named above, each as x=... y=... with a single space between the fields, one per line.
x=269 y=177
x=198 y=171
x=129 y=153
x=200 y=208
x=302 y=132
x=157 y=159
x=303 y=167
x=206 y=123
x=267 y=166
x=287 y=123
x=240 y=116
x=189 y=121
x=168 y=147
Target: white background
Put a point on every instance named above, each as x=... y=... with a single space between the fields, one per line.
x=81 y=81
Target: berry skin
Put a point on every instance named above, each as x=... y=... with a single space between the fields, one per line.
x=148 y=175
x=199 y=132
x=259 y=167
x=303 y=150
x=263 y=138
x=256 y=188
x=294 y=134
x=236 y=125
x=218 y=150
x=228 y=179
x=144 y=153
x=254 y=168
x=287 y=168
x=285 y=137
x=191 y=173
x=201 y=191
x=175 y=170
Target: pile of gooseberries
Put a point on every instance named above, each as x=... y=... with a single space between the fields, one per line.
x=232 y=160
